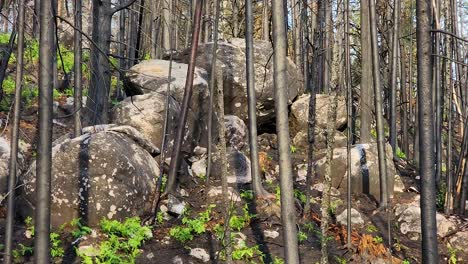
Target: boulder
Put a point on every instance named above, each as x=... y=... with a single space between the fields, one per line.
x=320 y=140
x=409 y=221
x=4 y=165
x=238 y=167
x=460 y=241
x=299 y=116
x=236 y=132
x=356 y=218
x=147 y=114
x=231 y=57
x=151 y=77
x=108 y=172
x=364 y=168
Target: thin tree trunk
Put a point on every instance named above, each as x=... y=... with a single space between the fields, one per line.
x=10 y=219
x=349 y=91
x=77 y=94
x=171 y=179
x=235 y=18
x=366 y=92
x=378 y=108
x=394 y=75
x=252 y=103
x=166 y=10
x=213 y=73
x=426 y=129
x=288 y=214
x=44 y=146
x=404 y=103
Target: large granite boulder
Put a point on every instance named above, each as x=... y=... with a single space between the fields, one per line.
x=299 y=116
x=146 y=111
x=364 y=169
x=108 y=172
x=231 y=57
x=236 y=132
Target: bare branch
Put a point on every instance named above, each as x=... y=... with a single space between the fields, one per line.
x=122 y=6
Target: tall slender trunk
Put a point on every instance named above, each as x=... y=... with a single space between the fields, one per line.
x=366 y=93
x=349 y=92
x=404 y=102
x=426 y=129
x=394 y=75
x=166 y=10
x=378 y=107
x=10 y=219
x=235 y=18
x=252 y=102
x=77 y=94
x=44 y=146
x=288 y=214
x=97 y=104
x=172 y=176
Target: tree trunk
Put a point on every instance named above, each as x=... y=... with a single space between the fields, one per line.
x=426 y=129
x=394 y=75
x=97 y=104
x=288 y=214
x=366 y=76
x=404 y=102
x=77 y=94
x=12 y=181
x=44 y=146
x=265 y=21
x=171 y=179
x=378 y=108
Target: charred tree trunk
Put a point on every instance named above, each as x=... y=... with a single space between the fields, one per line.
x=366 y=76
x=44 y=146
x=426 y=129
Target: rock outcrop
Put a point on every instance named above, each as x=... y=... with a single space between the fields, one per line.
x=4 y=165
x=146 y=110
x=364 y=168
x=231 y=56
x=108 y=172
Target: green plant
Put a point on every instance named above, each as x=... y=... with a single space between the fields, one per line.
x=122 y=245
x=237 y=222
x=56 y=250
x=21 y=251
x=378 y=240
x=453 y=255
x=191 y=227
x=371 y=228
x=293 y=148
x=278 y=260
x=301 y=236
x=245 y=253
x=400 y=154
x=300 y=196
x=5 y=38
x=440 y=198
x=159 y=217
x=334 y=205
x=340 y=260
x=405 y=261
x=81 y=230
x=247 y=195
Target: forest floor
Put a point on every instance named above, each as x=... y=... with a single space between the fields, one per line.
x=369 y=240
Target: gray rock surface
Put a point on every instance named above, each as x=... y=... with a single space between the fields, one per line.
x=231 y=56
x=150 y=79
x=356 y=218
x=108 y=172
x=236 y=132
x=364 y=168
x=299 y=116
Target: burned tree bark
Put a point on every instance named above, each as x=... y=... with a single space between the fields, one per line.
x=426 y=132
